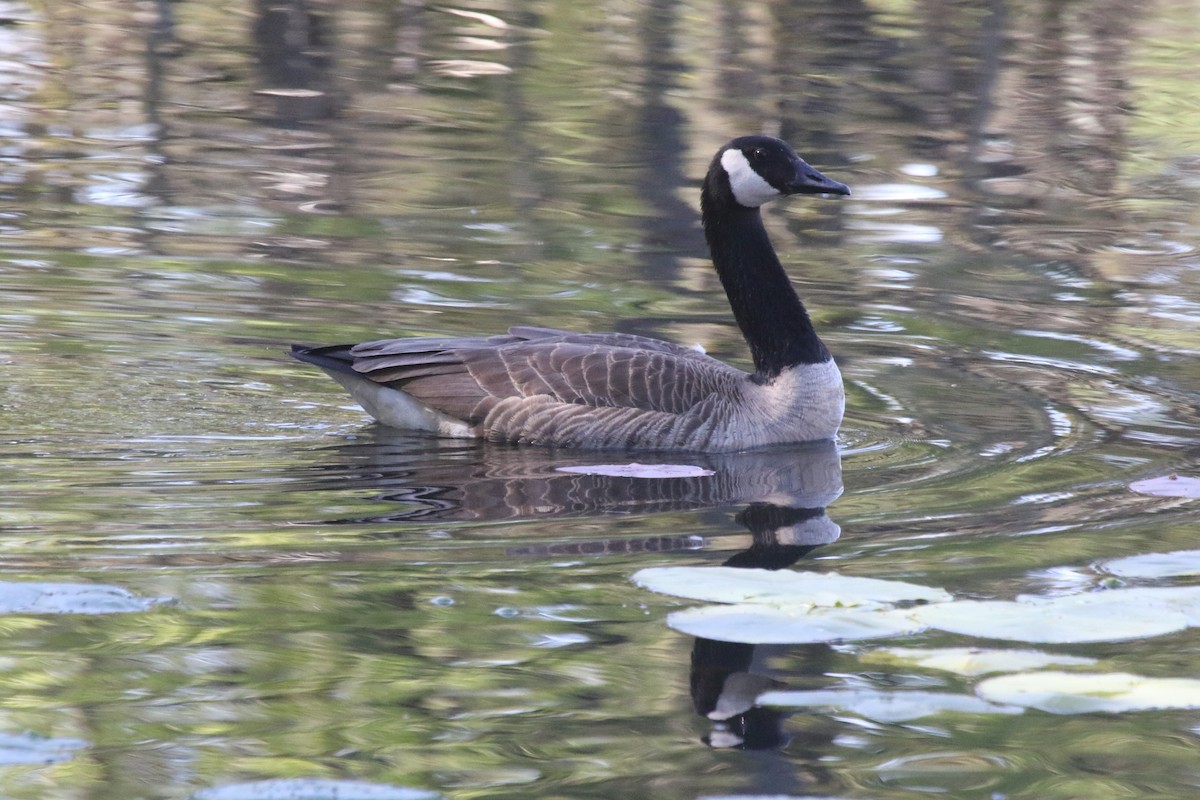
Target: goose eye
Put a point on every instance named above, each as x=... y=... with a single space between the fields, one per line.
x=758 y=154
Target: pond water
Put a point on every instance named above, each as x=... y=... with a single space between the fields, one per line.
x=218 y=579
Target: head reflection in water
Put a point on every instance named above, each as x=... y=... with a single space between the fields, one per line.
x=728 y=677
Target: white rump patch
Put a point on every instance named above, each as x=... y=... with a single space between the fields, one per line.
x=396 y=409
x=749 y=188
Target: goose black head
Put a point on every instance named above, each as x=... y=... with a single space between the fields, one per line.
x=762 y=168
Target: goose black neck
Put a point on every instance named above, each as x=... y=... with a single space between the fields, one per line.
x=767 y=309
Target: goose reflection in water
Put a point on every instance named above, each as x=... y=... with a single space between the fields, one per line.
x=444 y=480
x=782 y=492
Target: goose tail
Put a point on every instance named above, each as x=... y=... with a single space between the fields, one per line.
x=334 y=357
x=389 y=406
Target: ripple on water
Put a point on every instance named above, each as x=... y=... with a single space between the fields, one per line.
x=897 y=193
x=946 y=772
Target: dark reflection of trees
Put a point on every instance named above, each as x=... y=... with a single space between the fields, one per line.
x=818 y=47
x=292 y=41
x=1072 y=104
x=159 y=43
x=736 y=73
x=528 y=182
x=1033 y=94
x=670 y=227
x=1042 y=129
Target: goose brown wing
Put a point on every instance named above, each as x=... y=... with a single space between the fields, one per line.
x=466 y=378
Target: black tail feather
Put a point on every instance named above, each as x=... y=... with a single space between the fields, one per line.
x=335 y=356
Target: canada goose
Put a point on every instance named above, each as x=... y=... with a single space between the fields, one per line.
x=613 y=390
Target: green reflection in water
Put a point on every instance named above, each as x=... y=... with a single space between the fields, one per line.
x=1012 y=294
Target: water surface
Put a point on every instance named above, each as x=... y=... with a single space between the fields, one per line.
x=251 y=582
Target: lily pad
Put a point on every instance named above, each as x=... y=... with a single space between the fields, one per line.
x=1155 y=565
x=1084 y=693
x=752 y=623
x=1183 y=600
x=892 y=706
x=1169 y=486
x=972 y=660
x=796 y=589
x=1096 y=617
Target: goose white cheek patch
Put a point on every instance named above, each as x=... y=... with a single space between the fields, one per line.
x=749 y=188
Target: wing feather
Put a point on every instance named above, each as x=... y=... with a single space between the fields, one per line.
x=541 y=384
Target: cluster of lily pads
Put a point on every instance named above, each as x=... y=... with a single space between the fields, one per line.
x=788 y=607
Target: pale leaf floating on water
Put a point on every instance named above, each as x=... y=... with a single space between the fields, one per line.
x=1155 y=565
x=1083 y=693
x=636 y=470
x=754 y=623
x=1108 y=616
x=971 y=660
x=796 y=590
x=1169 y=486
x=1183 y=600
x=784 y=606
x=31 y=597
x=889 y=706
x=313 y=789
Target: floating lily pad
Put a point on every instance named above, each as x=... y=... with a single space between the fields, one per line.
x=313 y=789
x=1096 y=617
x=892 y=706
x=1169 y=486
x=972 y=660
x=636 y=470
x=1083 y=693
x=733 y=585
x=1155 y=565
x=1183 y=600
x=32 y=597
x=752 y=623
